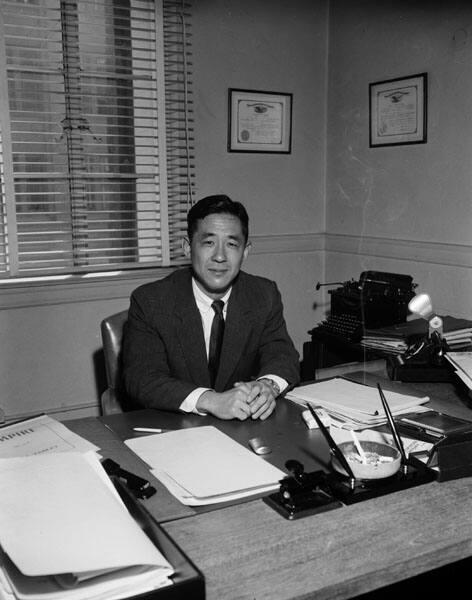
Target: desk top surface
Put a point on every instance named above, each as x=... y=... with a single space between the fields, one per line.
x=249 y=551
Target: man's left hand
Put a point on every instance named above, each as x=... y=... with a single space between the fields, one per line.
x=260 y=398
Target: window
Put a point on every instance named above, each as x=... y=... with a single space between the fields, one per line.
x=96 y=134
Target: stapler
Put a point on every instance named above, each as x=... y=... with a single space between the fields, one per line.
x=301 y=494
x=140 y=487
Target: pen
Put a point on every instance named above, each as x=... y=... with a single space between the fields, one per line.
x=391 y=422
x=332 y=445
x=148 y=430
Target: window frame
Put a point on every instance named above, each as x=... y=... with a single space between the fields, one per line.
x=77 y=288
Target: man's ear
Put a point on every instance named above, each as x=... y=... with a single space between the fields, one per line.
x=246 y=249
x=186 y=247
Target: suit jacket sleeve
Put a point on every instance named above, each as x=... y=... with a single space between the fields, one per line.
x=149 y=352
x=277 y=354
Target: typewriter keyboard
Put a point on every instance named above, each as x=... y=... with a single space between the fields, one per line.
x=347 y=326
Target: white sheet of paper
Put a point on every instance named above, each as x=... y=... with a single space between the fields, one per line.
x=205 y=462
x=57 y=516
x=345 y=396
x=40 y=435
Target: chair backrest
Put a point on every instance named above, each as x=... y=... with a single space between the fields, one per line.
x=112 y=335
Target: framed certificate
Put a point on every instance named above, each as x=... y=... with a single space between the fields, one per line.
x=259 y=121
x=397 y=110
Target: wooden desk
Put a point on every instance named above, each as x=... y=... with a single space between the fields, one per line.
x=249 y=551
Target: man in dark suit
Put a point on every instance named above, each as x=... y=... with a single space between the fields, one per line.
x=174 y=358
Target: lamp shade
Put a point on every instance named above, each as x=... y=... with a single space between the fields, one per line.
x=421 y=305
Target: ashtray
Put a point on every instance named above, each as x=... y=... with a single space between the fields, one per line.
x=381 y=460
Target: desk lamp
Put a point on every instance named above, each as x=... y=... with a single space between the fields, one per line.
x=422 y=306
x=452 y=453
x=424 y=360
x=432 y=348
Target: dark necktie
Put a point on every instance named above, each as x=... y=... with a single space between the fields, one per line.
x=216 y=339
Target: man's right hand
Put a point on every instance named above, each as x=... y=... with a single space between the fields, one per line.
x=232 y=404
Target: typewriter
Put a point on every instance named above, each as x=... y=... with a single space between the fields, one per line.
x=378 y=299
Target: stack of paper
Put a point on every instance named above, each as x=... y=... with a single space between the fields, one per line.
x=457 y=340
x=462 y=363
x=384 y=344
x=66 y=535
x=395 y=339
x=202 y=465
x=353 y=405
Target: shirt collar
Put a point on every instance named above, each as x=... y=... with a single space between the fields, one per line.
x=203 y=301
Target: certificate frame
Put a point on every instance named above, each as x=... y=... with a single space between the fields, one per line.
x=259 y=121
x=398 y=111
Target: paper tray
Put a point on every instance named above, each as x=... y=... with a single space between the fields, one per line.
x=188 y=581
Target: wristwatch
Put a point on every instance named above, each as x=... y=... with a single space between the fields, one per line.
x=275 y=386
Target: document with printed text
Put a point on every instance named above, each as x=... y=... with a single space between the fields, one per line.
x=40 y=435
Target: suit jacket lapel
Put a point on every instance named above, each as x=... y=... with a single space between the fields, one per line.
x=190 y=333
x=237 y=330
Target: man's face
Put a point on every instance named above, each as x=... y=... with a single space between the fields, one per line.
x=217 y=251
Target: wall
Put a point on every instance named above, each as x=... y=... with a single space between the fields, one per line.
x=405 y=209
x=279 y=46
x=50 y=344
x=50 y=352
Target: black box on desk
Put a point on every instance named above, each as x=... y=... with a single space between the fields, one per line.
x=452 y=456
x=412 y=372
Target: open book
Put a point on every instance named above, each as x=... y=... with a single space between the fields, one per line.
x=65 y=534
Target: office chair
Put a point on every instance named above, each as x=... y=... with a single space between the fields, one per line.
x=113 y=399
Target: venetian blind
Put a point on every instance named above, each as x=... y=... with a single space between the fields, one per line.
x=98 y=148
x=3 y=216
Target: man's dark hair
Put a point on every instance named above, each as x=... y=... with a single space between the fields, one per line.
x=216 y=204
